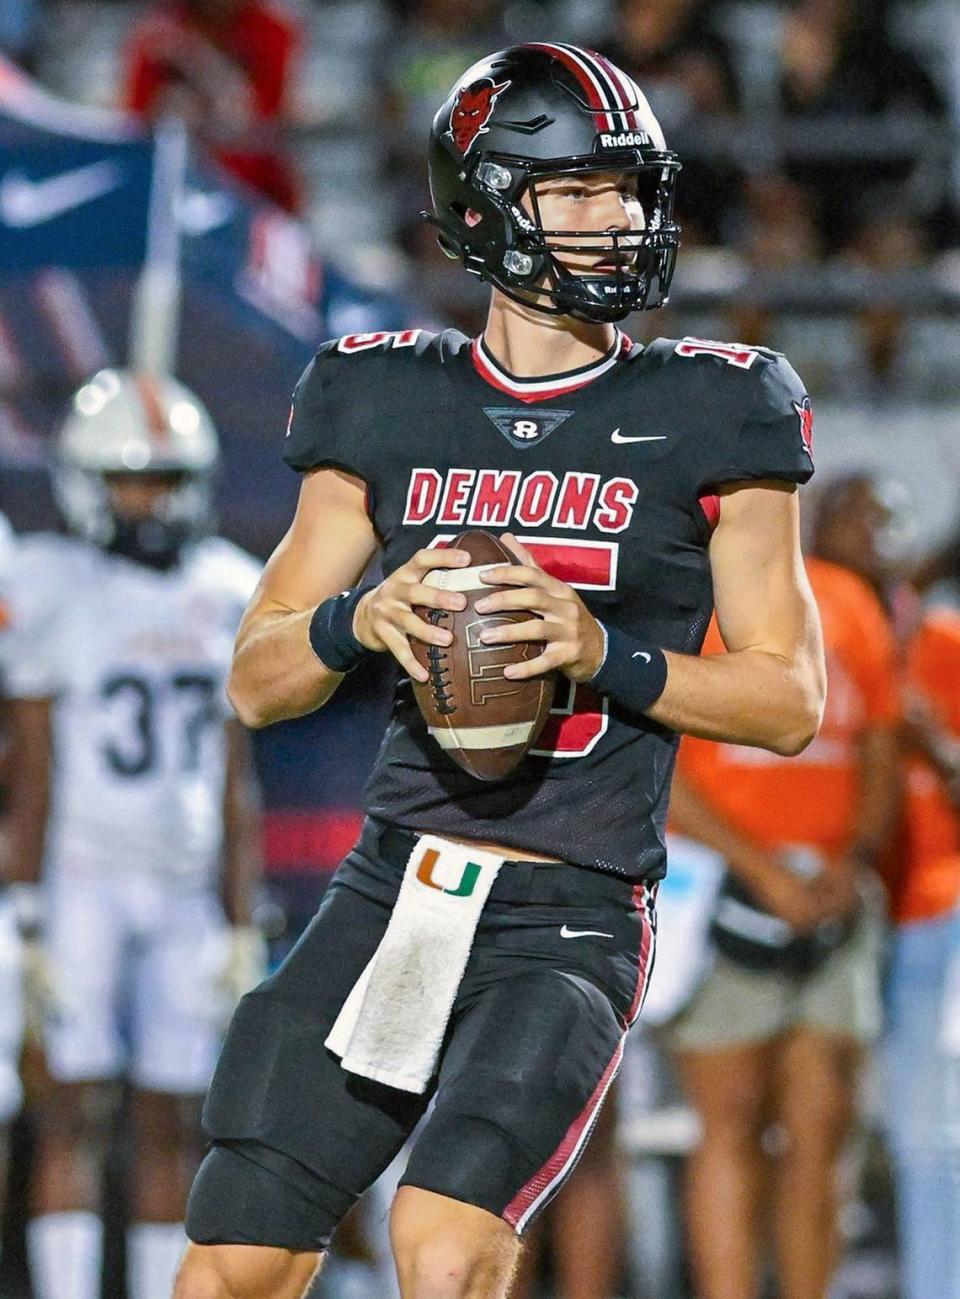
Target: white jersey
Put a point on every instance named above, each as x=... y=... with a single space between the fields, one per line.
x=136 y=662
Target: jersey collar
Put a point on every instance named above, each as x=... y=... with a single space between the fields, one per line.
x=549 y=385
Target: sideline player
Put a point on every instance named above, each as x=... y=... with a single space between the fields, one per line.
x=651 y=477
x=130 y=783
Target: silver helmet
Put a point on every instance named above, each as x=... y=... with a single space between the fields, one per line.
x=121 y=422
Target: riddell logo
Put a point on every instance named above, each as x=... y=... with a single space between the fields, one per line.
x=472 y=111
x=625 y=139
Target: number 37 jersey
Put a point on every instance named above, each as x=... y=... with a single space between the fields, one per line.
x=135 y=662
x=610 y=477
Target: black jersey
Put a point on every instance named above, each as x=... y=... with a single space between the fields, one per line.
x=608 y=475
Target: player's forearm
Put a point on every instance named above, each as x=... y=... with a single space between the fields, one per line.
x=242 y=830
x=29 y=793
x=747 y=697
x=26 y=837
x=275 y=673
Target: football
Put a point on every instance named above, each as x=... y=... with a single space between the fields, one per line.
x=482 y=720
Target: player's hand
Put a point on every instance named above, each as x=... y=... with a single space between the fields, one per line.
x=246 y=963
x=384 y=619
x=40 y=1001
x=574 y=639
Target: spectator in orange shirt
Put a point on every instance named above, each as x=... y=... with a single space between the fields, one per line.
x=776 y=1031
x=922 y=1071
x=226 y=68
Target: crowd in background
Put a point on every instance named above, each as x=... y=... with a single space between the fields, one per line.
x=820 y=212
x=816 y=134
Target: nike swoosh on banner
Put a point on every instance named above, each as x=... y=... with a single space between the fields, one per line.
x=565 y=932
x=616 y=436
x=25 y=202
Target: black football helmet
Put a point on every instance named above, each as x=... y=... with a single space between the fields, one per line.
x=544 y=110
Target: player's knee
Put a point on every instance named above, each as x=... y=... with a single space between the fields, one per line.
x=79 y=1116
x=436 y=1269
x=198 y=1278
x=242 y=1272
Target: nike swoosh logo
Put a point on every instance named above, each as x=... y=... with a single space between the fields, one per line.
x=641 y=654
x=616 y=436
x=25 y=202
x=566 y=932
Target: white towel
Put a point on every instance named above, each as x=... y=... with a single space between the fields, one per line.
x=391 y=1026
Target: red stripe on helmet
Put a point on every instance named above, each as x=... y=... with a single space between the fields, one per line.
x=573 y=60
x=153 y=410
x=624 y=90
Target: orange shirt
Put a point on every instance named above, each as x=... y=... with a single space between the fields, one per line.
x=929 y=880
x=810 y=799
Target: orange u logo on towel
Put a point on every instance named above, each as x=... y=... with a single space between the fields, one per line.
x=468 y=880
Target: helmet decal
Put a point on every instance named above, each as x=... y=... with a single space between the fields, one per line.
x=805 y=411
x=472 y=110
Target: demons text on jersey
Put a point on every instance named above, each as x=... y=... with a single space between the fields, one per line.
x=500 y=498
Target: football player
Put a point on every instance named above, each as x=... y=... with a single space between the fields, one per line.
x=132 y=789
x=641 y=484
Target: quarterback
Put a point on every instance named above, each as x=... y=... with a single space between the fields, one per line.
x=133 y=833
x=639 y=486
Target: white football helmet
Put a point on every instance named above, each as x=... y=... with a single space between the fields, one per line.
x=122 y=422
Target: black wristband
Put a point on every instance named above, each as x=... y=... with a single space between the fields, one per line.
x=331 y=631
x=631 y=673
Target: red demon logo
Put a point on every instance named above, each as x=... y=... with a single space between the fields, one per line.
x=471 y=112
x=805 y=411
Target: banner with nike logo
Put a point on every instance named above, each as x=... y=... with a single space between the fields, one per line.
x=75 y=198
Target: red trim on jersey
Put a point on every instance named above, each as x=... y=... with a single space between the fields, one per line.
x=644 y=898
x=565 y=1156
x=542 y=389
x=710 y=505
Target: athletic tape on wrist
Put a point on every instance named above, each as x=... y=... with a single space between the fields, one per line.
x=331 y=631
x=631 y=673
